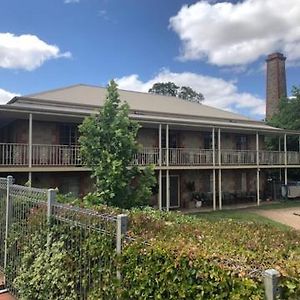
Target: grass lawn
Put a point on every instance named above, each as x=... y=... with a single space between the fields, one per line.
x=280 y=204
x=249 y=215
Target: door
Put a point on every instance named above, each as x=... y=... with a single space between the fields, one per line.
x=174 y=191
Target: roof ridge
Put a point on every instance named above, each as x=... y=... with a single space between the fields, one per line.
x=55 y=90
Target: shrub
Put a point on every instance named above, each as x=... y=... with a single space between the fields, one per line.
x=166 y=256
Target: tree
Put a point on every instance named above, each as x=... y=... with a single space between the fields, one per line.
x=288 y=116
x=189 y=94
x=171 y=89
x=108 y=145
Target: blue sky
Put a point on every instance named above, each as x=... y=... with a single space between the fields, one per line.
x=216 y=47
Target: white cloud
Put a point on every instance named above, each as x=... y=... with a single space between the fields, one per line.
x=71 y=1
x=227 y=34
x=217 y=92
x=5 y=96
x=26 y=51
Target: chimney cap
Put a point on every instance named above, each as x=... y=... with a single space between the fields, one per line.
x=275 y=55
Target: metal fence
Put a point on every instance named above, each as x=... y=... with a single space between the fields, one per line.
x=29 y=212
x=3 y=187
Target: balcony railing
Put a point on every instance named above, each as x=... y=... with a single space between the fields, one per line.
x=188 y=157
x=42 y=155
x=147 y=156
x=271 y=158
x=12 y=154
x=238 y=157
x=293 y=158
x=55 y=155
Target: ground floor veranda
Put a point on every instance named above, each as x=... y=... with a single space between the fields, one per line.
x=180 y=189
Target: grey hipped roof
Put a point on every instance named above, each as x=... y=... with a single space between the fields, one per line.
x=83 y=98
x=87 y=95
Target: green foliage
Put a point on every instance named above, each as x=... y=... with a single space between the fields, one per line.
x=189 y=94
x=108 y=145
x=289 y=112
x=171 y=89
x=228 y=256
x=68 y=198
x=67 y=263
x=46 y=271
x=184 y=257
x=288 y=117
x=159 y=272
x=164 y=88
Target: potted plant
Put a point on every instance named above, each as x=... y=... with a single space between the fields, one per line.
x=198 y=199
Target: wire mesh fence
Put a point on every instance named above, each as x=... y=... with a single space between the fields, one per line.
x=3 y=187
x=89 y=239
x=86 y=241
x=25 y=216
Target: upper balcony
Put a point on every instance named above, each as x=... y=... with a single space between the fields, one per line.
x=42 y=155
x=191 y=157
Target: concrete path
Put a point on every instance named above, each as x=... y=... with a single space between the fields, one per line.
x=6 y=296
x=288 y=216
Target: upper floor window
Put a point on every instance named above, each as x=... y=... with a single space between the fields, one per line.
x=68 y=134
x=208 y=141
x=173 y=139
x=242 y=142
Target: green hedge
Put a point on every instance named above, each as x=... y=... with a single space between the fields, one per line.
x=183 y=258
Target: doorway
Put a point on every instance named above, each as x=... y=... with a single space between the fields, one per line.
x=174 y=191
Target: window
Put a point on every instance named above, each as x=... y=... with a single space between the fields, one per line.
x=68 y=134
x=242 y=142
x=173 y=140
x=208 y=141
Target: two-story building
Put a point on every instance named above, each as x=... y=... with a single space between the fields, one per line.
x=219 y=155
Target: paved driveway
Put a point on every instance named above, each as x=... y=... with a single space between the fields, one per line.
x=288 y=216
x=6 y=296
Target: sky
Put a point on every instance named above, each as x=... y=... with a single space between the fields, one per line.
x=216 y=47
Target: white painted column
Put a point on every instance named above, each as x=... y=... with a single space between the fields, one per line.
x=220 y=171
x=214 y=169
x=257 y=186
x=160 y=190
x=160 y=170
x=279 y=144
x=257 y=170
x=30 y=149
x=285 y=160
x=279 y=149
x=167 y=172
x=257 y=149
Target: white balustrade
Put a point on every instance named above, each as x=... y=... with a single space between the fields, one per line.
x=238 y=157
x=271 y=158
x=13 y=154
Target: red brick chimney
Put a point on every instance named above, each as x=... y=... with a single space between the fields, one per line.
x=276 y=83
